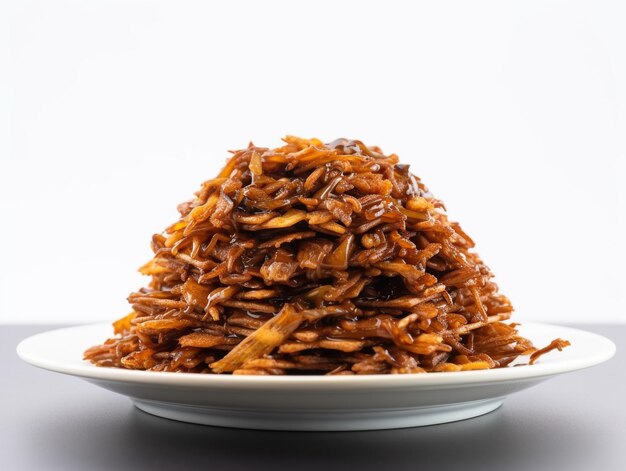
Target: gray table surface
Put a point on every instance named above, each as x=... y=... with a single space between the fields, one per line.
x=50 y=421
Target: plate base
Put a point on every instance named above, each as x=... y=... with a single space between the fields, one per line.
x=302 y=420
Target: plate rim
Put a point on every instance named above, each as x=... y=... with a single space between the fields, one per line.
x=91 y=372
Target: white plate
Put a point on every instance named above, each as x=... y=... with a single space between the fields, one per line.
x=315 y=402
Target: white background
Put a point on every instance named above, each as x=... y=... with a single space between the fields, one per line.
x=112 y=112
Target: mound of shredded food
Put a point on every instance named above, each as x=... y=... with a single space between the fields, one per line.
x=315 y=258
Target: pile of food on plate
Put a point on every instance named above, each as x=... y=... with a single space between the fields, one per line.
x=315 y=258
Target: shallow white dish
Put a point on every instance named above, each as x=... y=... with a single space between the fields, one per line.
x=315 y=402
